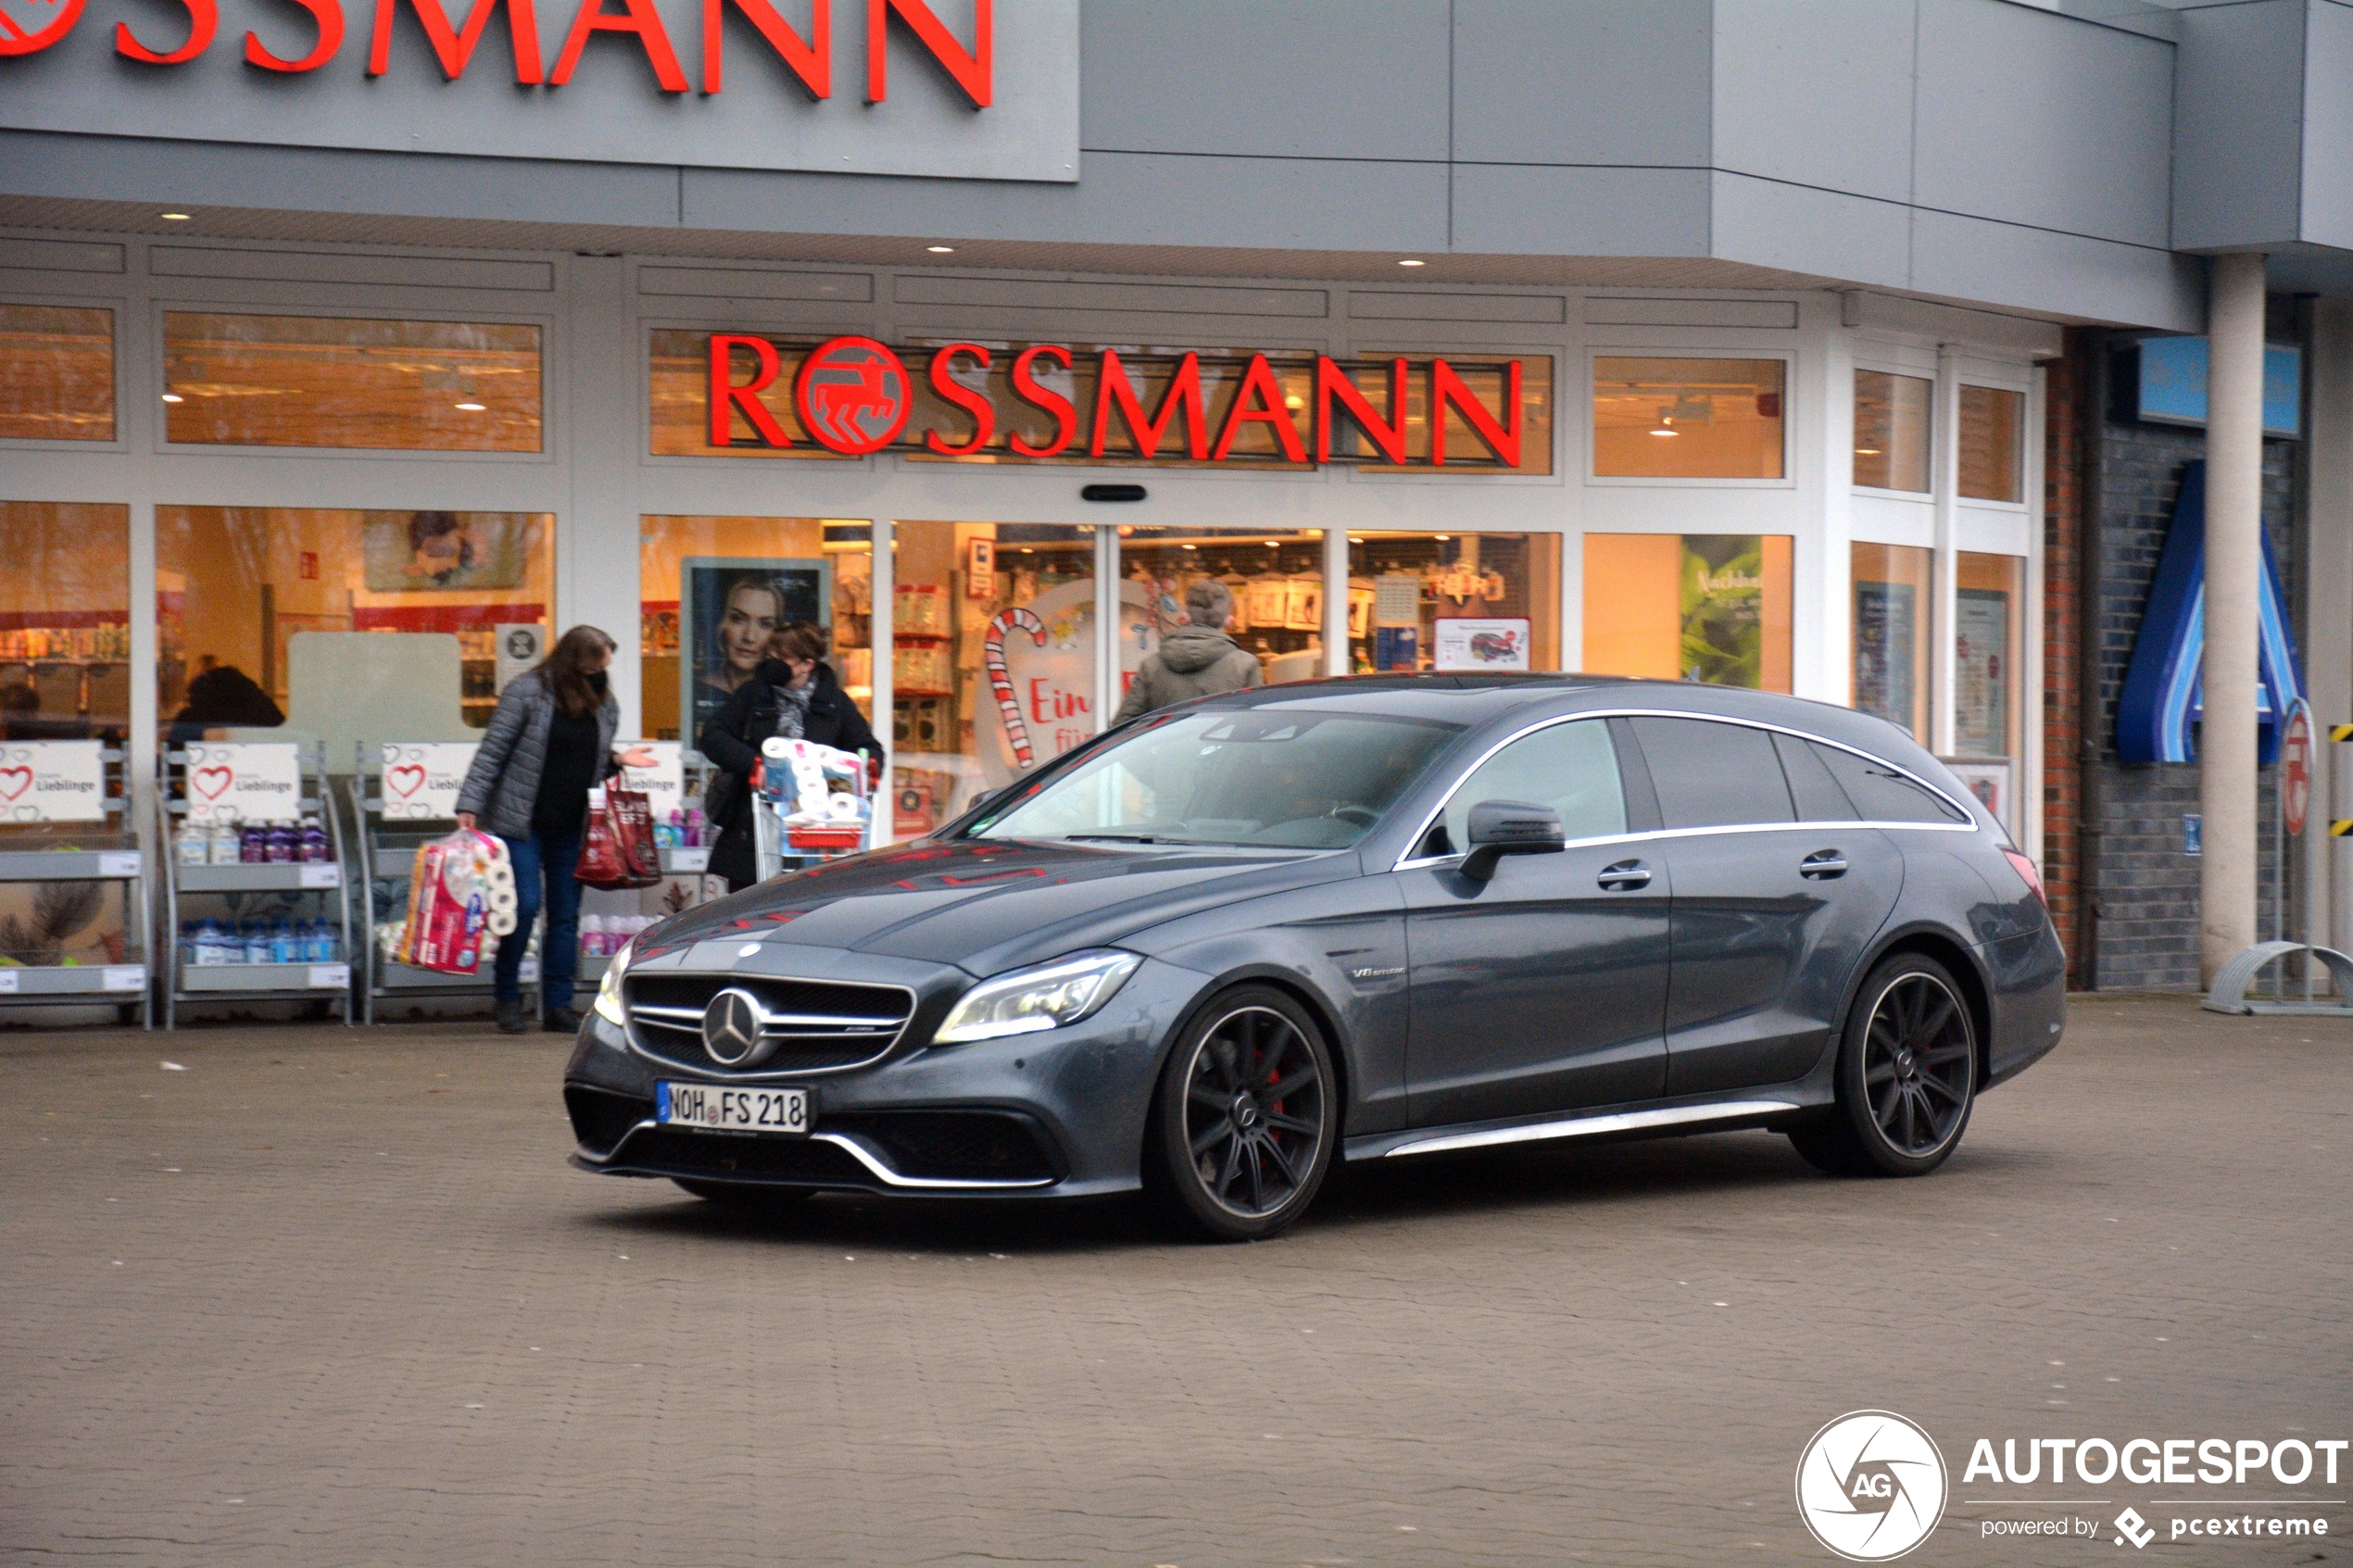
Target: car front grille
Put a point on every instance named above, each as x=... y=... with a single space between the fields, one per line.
x=809 y=1160
x=816 y=1025
x=985 y=1146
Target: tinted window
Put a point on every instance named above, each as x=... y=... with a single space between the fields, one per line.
x=1710 y=775
x=1572 y=768
x=1262 y=775
x=1819 y=797
x=1883 y=795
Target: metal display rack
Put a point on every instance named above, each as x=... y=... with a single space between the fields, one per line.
x=122 y=986
x=251 y=982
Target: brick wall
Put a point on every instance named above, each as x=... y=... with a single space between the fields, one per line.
x=2144 y=888
x=2065 y=387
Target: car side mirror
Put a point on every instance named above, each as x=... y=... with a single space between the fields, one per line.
x=1498 y=828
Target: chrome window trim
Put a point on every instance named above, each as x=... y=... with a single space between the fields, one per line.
x=1409 y=861
x=763 y=1075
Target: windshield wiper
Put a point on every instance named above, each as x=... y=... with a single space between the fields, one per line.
x=1110 y=839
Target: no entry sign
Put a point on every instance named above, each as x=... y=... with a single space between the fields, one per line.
x=2296 y=767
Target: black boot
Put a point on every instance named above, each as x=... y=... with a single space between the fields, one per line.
x=510 y=1020
x=562 y=1021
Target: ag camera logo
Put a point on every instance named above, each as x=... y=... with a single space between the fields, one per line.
x=1872 y=1485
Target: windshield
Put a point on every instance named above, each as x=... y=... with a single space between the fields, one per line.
x=1271 y=776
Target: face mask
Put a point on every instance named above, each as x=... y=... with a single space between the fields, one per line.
x=597 y=682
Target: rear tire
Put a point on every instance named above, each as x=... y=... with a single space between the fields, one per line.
x=1245 y=1120
x=1906 y=1076
x=744 y=1197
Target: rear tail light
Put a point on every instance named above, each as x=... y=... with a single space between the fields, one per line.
x=2025 y=868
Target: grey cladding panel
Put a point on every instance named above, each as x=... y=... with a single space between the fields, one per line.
x=1590 y=82
x=2328 y=127
x=1817 y=92
x=1409 y=305
x=1278 y=204
x=1301 y=79
x=2235 y=125
x=1174 y=299
x=737 y=282
x=1524 y=211
x=2032 y=269
x=305 y=266
x=60 y=255
x=2029 y=117
x=1612 y=311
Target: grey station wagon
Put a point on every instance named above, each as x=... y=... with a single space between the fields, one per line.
x=1215 y=949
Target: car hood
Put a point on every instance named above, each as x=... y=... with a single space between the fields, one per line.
x=987 y=905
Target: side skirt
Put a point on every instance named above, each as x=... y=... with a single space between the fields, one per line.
x=1436 y=1140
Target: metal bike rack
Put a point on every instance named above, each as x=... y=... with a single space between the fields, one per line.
x=120 y=986
x=251 y=982
x=2229 y=994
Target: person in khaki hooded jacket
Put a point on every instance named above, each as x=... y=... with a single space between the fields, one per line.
x=1196 y=659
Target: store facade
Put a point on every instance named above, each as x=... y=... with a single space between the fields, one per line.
x=1449 y=335
x=1635 y=481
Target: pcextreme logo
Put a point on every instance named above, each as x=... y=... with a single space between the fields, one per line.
x=1872 y=1485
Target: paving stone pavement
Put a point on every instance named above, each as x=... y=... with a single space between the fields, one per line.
x=333 y=1296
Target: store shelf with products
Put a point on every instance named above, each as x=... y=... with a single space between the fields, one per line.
x=67 y=869
x=1277 y=581
x=255 y=911
x=1500 y=590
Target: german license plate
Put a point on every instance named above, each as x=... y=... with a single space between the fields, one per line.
x=712 y=1107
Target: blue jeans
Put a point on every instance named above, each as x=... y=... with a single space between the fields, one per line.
x=556 y=859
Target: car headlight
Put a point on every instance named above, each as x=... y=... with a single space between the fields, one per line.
x=1027 y=1001
x=609 y=989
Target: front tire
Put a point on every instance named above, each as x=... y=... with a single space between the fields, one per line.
x=1245 y=1120
x=1906 y=1076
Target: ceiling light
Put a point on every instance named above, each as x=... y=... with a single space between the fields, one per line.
x=470 y=407
x=1413 y=264
x=174 y=398
x=1444 y=538
x=1274 y=544
x=1867 y=451
x=1295 y=401
x=1354 y=539
x=941 y=250
x=174 y=216
x=1188 y=546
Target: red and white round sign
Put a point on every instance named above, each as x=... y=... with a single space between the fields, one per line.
x=2296 y=766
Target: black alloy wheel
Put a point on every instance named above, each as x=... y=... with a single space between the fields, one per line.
x=1246 y=1117
x=1906 y=1076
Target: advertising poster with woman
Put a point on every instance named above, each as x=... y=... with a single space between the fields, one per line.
x=728 y=607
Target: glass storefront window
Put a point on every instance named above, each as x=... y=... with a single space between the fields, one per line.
x=236 y=585
x=1993 y=441
x=56 y=373
x=1989 y=640
x=309 y=381
x=713 y=590
x=1690 y=606
x=1891 y=421
x=1454 y=601
x=65 y=620
x=1891 y=632
x=1276 y=579
x=993 y=658
x=1688 y=419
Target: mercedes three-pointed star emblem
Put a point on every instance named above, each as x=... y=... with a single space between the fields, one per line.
x=731 y=1029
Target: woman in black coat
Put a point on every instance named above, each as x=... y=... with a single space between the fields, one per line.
x=793 y=694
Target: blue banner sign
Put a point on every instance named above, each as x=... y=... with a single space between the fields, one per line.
x=2161 y=697
x=2172 y=384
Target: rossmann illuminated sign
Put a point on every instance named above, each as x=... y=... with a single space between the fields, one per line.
x=1042 y=402
x=933 y=87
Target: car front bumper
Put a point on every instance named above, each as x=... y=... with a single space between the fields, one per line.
x=1057 y=1113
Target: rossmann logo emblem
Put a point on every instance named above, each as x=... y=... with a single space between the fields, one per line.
x=1872 y=1485
x=853 y=396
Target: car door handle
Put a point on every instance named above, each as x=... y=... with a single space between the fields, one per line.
x=1822 y=865
x=1623 y=876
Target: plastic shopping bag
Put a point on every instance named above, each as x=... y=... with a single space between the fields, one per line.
x=460 y=889
x=618 y=851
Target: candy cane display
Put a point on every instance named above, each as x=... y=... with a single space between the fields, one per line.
x=1000 y=683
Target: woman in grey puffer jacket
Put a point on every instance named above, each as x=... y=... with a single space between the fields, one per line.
x=1197 y=660
x=548 y=743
